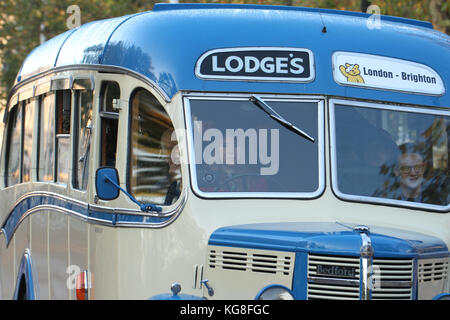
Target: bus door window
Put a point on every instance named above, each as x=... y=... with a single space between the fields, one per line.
x=83 y=133
x=46 y=137
x=154 y=172
x=29 y=109
x=109 y=123
x=14 y=145
x=63 y=106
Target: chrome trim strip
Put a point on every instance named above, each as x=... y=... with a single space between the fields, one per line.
x=396 y=284
x=114 y=217
x=266 y=97
x=355 y=283
x=87 y=67
x=333 y=155
x=366 y=263
x=167 y=211
x=415 y=278
x=333 y=281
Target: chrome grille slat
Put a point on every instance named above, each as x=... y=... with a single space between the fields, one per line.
x=377 y=290
x=315 y=287
x=335 y=292
x=324 y=297
x=397 y=273
x=340 y=264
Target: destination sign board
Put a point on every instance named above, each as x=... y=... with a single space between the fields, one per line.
x=379 y=72
x=257 y=64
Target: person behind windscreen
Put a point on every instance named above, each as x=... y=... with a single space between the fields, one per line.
x=409 y=170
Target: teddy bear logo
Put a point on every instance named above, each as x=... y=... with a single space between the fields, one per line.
x=352 y=73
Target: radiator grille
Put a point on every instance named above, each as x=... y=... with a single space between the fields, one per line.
x=433 y=270
x=251 y=261
x=393 y=278
x=329 y=287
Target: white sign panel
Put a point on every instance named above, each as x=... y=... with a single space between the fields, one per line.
x=371 y=71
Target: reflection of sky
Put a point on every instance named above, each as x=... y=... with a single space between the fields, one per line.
x=86 y=44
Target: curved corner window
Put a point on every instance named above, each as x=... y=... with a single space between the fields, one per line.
x=241 y=150
x=63 y=114
x=14 y=146
x=389 y=154
x=109 y=123
x=154 y=174
x=28 y=130
x=83 y=132
x=46 y=160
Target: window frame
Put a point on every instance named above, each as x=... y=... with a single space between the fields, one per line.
x=106 y=115
x=128 y=170
x=29 y=104
x=66 y=97
x=333 y=154
x=319 y=100
x=14 y=110
x=75 y=127
x=41 y=98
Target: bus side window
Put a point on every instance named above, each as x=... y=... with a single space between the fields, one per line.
x=14 y=145
x=154 y=172
x=109 y=123
x=46 y=137
x=82 y=132
x=63 y=106
x=29 y=109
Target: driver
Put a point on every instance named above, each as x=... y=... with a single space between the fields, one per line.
x=231 y=176
x=169 y=148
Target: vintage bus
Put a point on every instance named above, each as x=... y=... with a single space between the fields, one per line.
x=205 y=151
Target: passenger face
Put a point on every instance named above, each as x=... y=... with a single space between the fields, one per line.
x=411 y=169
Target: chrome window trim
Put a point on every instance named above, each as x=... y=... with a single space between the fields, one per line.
x=320 y=100
x=52 y=73
x=366 y=199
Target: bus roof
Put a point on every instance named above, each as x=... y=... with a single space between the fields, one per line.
x=165 y=44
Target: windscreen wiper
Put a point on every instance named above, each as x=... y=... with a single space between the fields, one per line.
x=277 y=117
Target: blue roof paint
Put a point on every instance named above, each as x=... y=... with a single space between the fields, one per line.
x=327 y=238
x=182 y=6
x=165 y=44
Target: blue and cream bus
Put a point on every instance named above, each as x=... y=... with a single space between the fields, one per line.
x=229 y=152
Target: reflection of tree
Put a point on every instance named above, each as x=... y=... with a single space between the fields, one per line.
x=167 y=83
x=92 y=54
x=390 y=184
x=437 y=187
x=436 y=181
x=129 y=56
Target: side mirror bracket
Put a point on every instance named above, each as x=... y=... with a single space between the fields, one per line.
x=108 y=188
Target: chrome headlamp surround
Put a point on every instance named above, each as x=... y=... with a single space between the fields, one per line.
x=275 y=292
